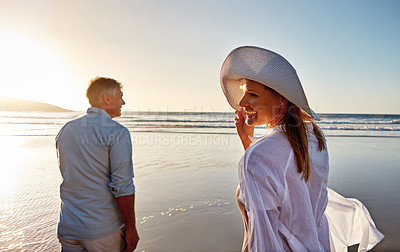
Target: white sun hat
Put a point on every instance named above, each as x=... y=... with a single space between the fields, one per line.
x=263 y=66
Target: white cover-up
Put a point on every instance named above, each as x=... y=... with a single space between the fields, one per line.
x=287 y=214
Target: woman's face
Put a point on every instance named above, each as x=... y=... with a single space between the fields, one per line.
x=261 y=104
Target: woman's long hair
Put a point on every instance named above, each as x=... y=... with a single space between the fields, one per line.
x=292 y=120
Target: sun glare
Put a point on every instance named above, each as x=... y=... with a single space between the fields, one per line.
x=31 y=70
x=11 y=166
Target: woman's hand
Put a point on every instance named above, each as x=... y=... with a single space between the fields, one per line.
x=242 y=129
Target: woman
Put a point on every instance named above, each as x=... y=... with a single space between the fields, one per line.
x=282 y=193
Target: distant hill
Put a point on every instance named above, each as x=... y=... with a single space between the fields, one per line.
x=14 y=104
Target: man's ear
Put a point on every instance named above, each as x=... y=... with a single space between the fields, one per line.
x=106 y=98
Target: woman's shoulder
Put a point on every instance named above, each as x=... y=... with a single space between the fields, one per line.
x=273 y=142
x=272 y=149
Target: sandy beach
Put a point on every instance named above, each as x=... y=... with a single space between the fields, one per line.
x=185 y=185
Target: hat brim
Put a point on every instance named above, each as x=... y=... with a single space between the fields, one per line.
x=265 y=67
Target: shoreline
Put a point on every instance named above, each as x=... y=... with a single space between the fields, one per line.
x=186 y=193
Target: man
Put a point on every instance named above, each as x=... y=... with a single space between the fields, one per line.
x=95 y=159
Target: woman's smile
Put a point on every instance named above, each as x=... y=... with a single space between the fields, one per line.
x=260 y=103
x=250 y=114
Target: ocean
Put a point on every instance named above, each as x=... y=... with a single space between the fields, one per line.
x=186 y=175
x=47 y=124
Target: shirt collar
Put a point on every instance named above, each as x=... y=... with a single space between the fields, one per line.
x=94 y=110
x=266 y=134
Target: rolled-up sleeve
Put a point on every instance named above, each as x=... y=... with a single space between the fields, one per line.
x=121 y=163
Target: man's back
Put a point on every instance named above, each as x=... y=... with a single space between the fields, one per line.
x=95 y=159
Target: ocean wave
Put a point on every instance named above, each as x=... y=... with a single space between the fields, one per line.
x=175 y=121
x=40 y=115
x=187 y=125
x=212 y=124
x=35 y=123
x=143 y=125
x=206 y=121
x=360 y=128
x=395 y=121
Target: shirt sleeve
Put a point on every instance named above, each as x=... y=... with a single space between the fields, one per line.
x=261 y=188
x=121 y=183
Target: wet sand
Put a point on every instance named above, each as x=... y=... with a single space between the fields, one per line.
x=185 y=187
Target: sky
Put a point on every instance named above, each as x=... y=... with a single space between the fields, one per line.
x=168 y=54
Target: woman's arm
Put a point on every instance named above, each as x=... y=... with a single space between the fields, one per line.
x=261 y=189
x=242 y=129
x=242 y=207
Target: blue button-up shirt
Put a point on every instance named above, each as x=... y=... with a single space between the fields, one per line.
x=95 y=159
